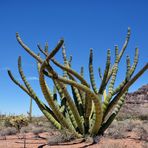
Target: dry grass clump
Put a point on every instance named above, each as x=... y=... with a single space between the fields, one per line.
x=120 y=129
x=8 y=131
x=38 y=130
x=27 y=129
x=60 y=137
x=142 y=131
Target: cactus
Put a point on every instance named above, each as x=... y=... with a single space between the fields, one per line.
x=89 y=109
x=30 y=111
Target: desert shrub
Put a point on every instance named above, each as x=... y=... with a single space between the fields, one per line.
x=60 y=137
x=26 y=129
x=8 y=131
x=119 y=129
x=38 y=130
x=115 y=133
x=16 y=121
x=142 y=132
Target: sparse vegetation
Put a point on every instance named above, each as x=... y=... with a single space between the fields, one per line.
x=61 y=137
x=8 y=131
x=16 y=121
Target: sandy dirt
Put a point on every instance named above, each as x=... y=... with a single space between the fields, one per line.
x=17 y=141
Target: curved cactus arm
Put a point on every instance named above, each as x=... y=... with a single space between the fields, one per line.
x=113 y=115
x=98 y=109
x=30 y=110
x=121 y=52
x=88 y=111
x=100 y=73
x=70 y=60
x=28 y=49
x=136 y=57
x=103 y=83
x=17 y=83
x=101 y=77
x=46 y=48
x=54 y=92
x=72 y=107
x=64 y=105
x=52 y=53
x=112 y=82
x=69 y=100
x=82 y=71
x=125 y=88
x=71 y=117
x=128 y=67
x=28 y=86
x=91 y=72
x=59 y=89
x=77 y=97
x=65 y=60
x=130 y=70
x=55 y=50
x=125 y=43
x=48 y=97
x=82 y=93
x=45 y=110
x=78 y=102
x=71 y=71
x=41 y=50
x=24 y=78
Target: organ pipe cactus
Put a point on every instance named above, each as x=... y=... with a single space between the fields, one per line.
x=89 y=109
x=30 y=111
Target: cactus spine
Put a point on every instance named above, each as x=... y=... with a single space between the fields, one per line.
x=87 y=111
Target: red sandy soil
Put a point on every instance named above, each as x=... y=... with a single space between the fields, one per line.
x=17 y=141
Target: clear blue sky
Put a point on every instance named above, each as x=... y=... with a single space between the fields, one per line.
x=84 y=24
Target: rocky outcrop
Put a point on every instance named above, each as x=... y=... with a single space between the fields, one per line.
x=136 y=104
x=138 y=97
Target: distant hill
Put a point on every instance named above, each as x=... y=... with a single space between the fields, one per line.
x=136 y=104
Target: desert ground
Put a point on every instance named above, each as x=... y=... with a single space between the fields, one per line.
x=128 y=130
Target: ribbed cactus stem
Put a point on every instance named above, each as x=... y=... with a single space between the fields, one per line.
x=70 y=60
x=71 y=71
x=128 y=67
x=65 y=60
x=30 y=110
x=46 y=111
x=48 y=97
x=46 y=48
x=100 y=73
x=28 y=49
x=112 y=82
x=41 y=50
x=130 y=70
x=91 y=95
x=125 y=88
x=121 y=52
x=91 y=72
x=103 y=82
x=112 y=116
